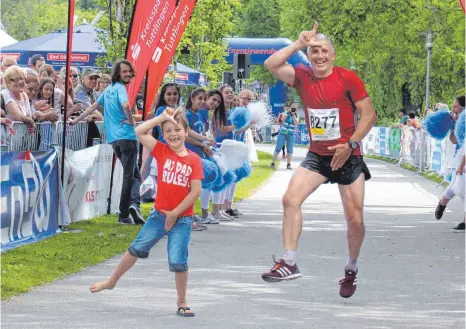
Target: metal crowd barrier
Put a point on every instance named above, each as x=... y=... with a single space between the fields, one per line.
x=45 y=136
x=411 y=146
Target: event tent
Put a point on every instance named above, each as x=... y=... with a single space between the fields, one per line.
x=6 y=39
x=186 y=76
x=86 y=47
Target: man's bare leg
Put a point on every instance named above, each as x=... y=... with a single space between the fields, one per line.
x=352 y=197
x=125 y=264
x=303 y=183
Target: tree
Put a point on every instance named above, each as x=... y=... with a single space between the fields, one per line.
x=211 y=22
x=384 y=40
x=31 y=18
x=260 y=18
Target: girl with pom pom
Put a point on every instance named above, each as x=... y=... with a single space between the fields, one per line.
x=199 y=145
x=222 y=128
x=457 y=138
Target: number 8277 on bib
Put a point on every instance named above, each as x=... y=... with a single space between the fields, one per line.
x=325 y=124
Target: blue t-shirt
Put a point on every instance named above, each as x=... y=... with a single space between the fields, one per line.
x=220 y=136
x=195 y=123
x=112 y=99
x=204 y=118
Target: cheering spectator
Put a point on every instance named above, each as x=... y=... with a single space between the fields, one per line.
x=6 y=63
x=104 y=81
x=74 y=75
x=41 y=108
x=16 y=101
x=37 y=61
x=85 y=91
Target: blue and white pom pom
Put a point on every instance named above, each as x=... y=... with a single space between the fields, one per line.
x=211 y=173
x=240 y=117
x=459 y=130
x=438 y=124
x=227 y=179
x=243 y=171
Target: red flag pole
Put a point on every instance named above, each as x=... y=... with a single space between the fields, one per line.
x=463 y=6
x=69 y=47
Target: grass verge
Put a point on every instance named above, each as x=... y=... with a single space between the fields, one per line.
x=101 y=238
x=429 y=175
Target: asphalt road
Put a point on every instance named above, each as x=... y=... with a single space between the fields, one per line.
x=411 y=270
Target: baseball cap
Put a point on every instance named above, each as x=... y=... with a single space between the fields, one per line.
x=90 y=72
x=36 y=57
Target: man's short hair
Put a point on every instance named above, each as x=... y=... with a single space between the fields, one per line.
x=36 y=58
x=9 y=61
x=322 y=37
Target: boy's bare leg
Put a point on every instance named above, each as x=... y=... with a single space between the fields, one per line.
x=181 y=279
x=125 y=264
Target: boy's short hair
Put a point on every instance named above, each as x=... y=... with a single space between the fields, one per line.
x=180 y=118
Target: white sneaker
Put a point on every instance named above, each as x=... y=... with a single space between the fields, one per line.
x=226 y=215
x=221 y=217
x=211 y=220
x=204 y=220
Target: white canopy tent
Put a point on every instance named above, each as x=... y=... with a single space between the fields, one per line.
x=6 y=39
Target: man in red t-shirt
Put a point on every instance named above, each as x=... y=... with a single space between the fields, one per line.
x=332 y=98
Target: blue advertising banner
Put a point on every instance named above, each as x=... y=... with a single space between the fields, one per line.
x=278 y=97
x=301 y=135
x=29 y=199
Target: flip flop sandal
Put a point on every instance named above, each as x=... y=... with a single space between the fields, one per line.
x=182 y=312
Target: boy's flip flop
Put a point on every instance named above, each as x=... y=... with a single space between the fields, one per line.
x=182 y=312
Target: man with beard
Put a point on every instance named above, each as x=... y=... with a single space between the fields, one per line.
x=119 y=127
x=332 y=98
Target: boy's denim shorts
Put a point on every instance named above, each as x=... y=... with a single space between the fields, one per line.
x=178 y=240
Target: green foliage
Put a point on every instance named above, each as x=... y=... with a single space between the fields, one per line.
x=32 y=18
x=385 y=41
x=211 y=22
x=260 y=19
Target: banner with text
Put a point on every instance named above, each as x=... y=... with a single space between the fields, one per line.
x=149 y=22
x=30 y=193
x=166 y=48
x=87 y=181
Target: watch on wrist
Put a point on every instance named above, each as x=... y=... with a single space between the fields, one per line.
x=353 y=145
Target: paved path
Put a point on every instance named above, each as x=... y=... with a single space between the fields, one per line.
x=412 y=272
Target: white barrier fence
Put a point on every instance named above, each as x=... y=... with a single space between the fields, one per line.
x=412 y=146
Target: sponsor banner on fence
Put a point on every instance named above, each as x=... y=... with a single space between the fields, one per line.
x=30 y=194
x=301 y=135
x=87 y=181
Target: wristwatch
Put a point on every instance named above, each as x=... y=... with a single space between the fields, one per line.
x=353 y=145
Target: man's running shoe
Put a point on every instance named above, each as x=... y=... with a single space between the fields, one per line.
x=458 y=228
x=232 y=213
x=348 y=284
x=439 y=211
x=281 y=272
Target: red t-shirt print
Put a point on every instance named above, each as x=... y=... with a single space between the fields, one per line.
x=329 y=106
x=174 y=176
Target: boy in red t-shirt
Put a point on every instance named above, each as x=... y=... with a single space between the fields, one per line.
x=179 y=181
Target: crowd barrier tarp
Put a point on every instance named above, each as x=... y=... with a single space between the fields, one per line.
x=87 y=181
x=30 y=192
x=116 y=189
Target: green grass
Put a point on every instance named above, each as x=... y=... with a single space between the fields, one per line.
x=429 y=175
x=101 y=238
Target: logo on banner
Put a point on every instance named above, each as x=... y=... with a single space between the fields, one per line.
x=62 y=57
x=136 y=50
x=149 y=20
x=14 y=55
x=181 y=76
x=167 y=45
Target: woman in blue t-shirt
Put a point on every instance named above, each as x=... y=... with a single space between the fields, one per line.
x=198 y=143
x=222 y=129
x=169 y=96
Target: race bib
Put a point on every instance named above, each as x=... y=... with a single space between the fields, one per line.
x=325 y=124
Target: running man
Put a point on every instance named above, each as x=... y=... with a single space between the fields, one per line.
x=332 y=97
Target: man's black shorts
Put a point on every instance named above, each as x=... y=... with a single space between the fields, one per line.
x=346 y=175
